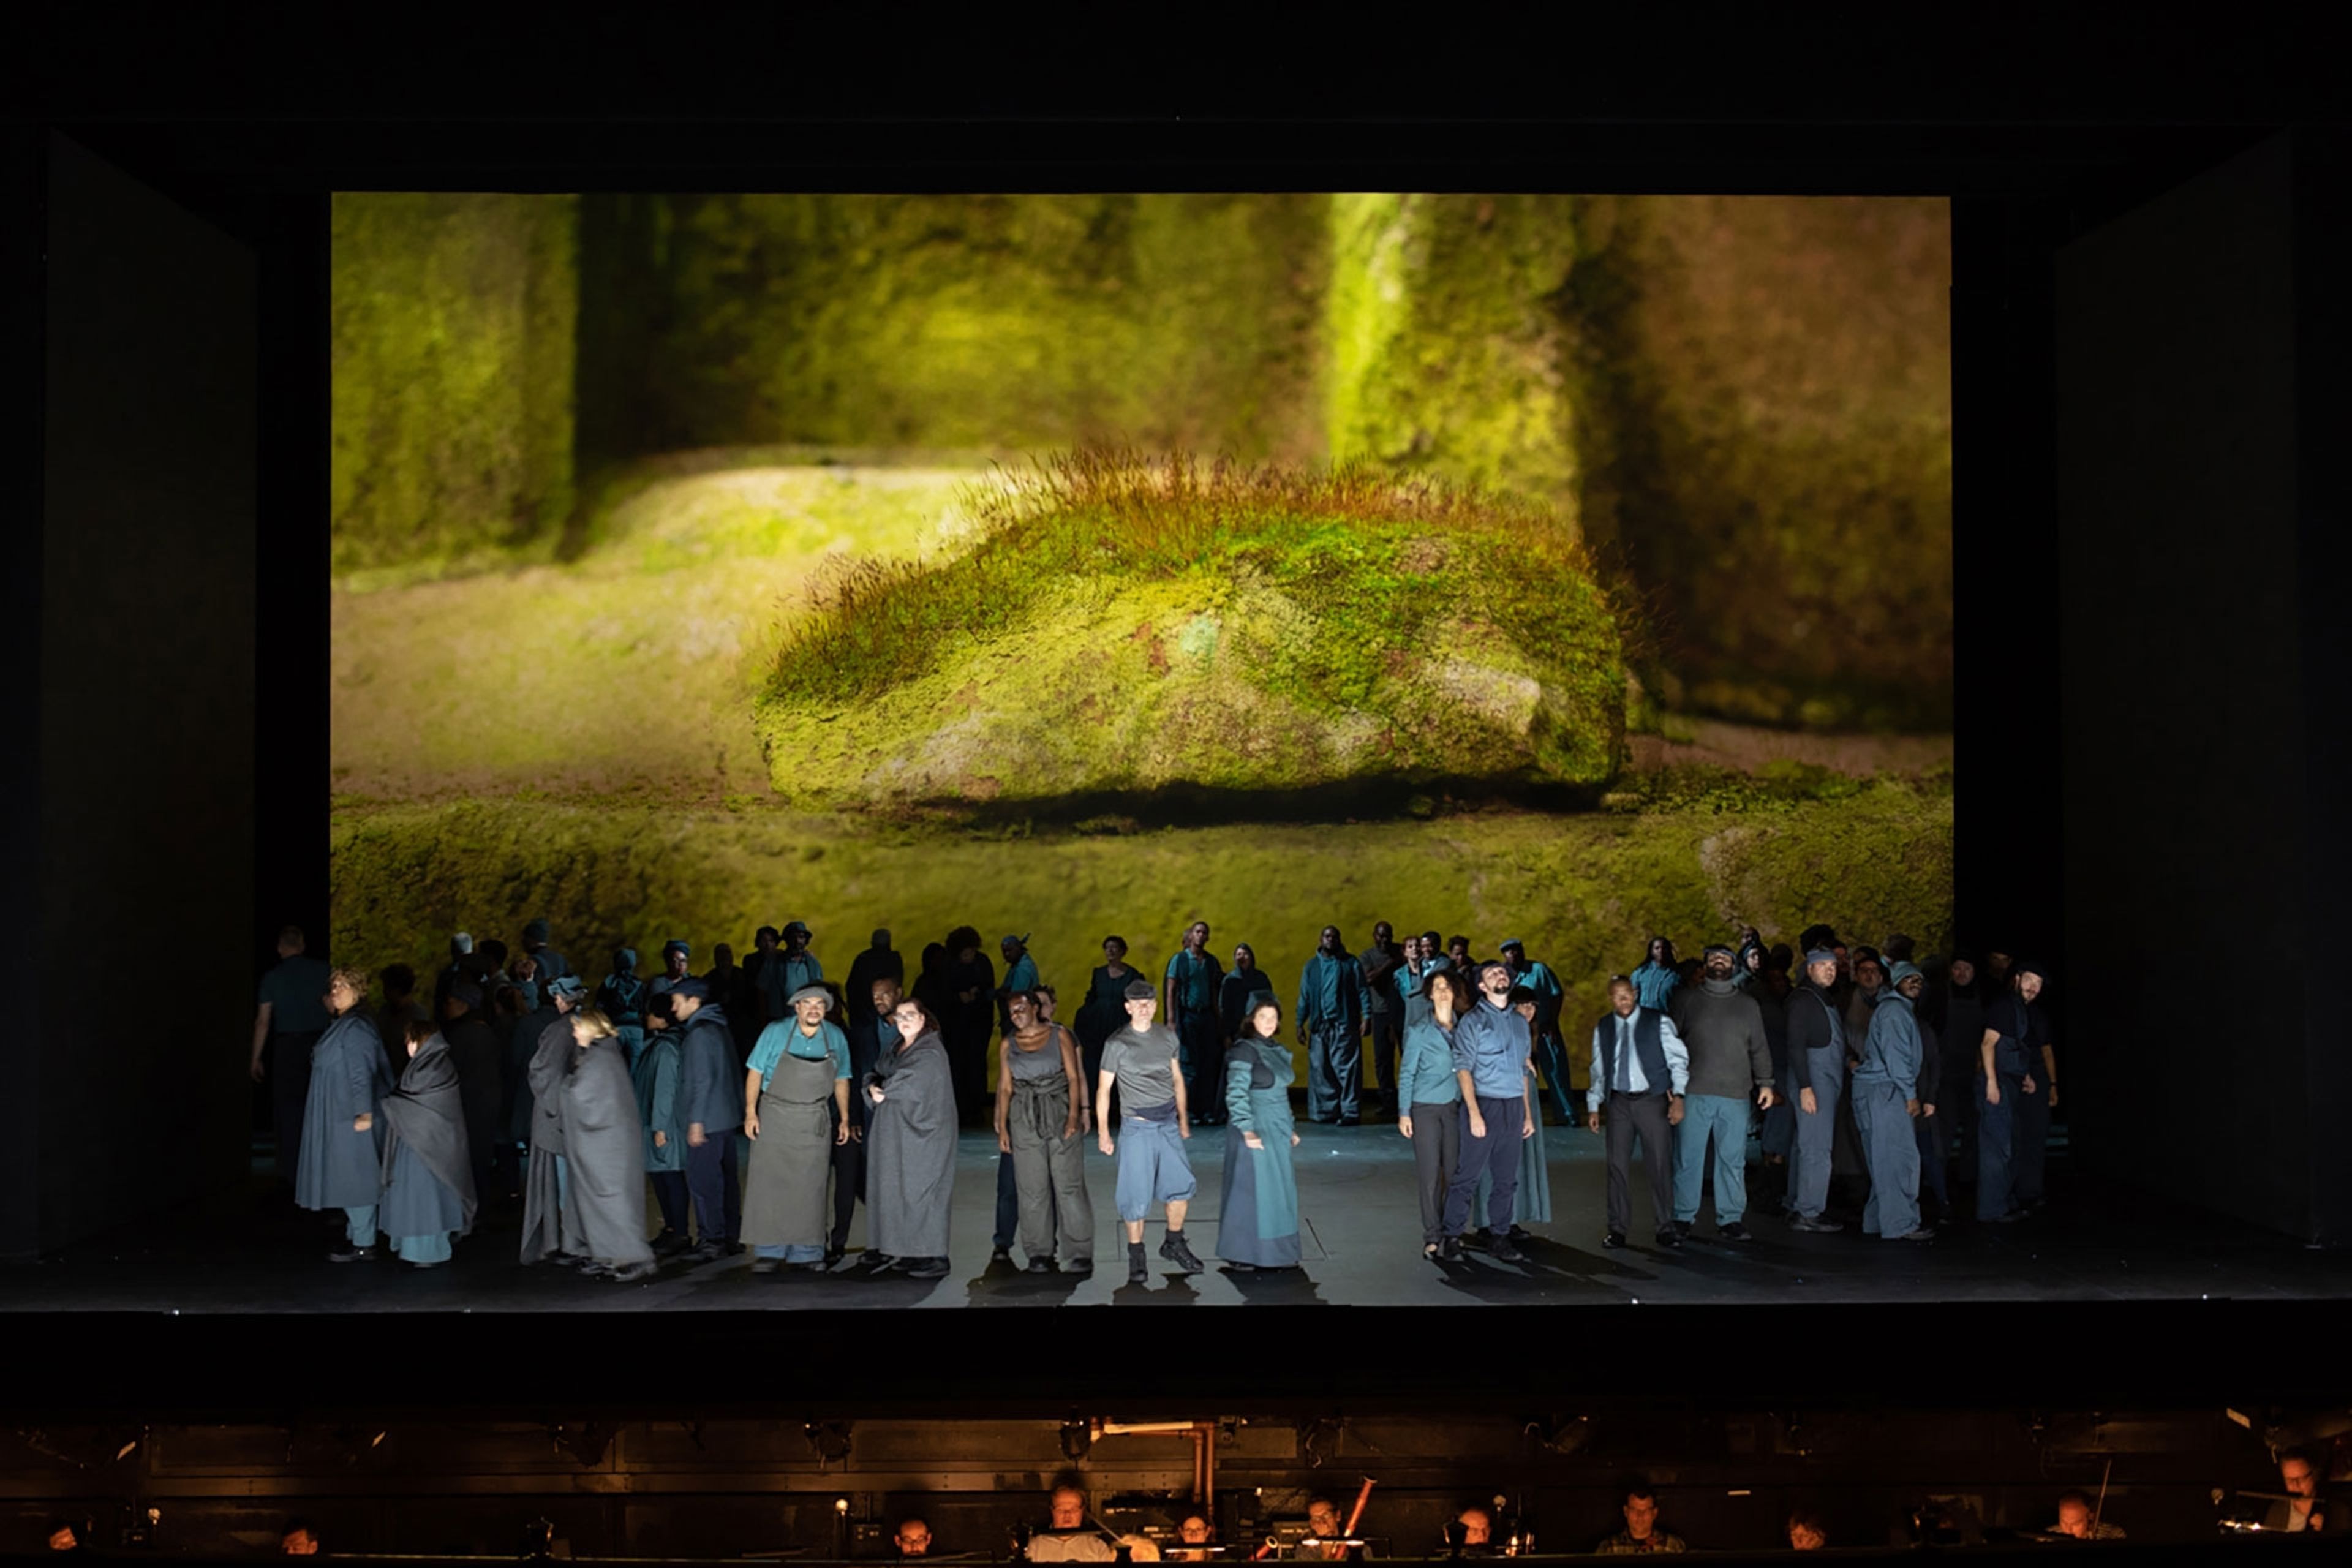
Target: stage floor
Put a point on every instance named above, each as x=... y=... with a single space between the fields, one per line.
x=1361 y=1235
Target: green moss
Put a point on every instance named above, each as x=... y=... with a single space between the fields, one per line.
x=1582 y=891
x=1122 y=625
x=1446 y=345
x=453 y=344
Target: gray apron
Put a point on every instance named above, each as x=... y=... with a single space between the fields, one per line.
x=784 y=1193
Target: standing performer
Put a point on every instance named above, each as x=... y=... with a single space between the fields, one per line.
x=713 y=1110
x=1532 y=1200
x=1885 y=1100
x=1639 y=1073
x=795 y=1110
x=1491 y=1055
x=622 y=998
x=292 y=1016
x=880 y=961
x=546 y=1201
x=1551 y=1054
x=1257 y=1218
x=968 y=982
x=603 y=1143
x=1103 y=1013
x=871 y=1035
x=1237 y=994
x=1040 y=1125
x=1730 y=1061
x=1433 y=1099
x=341 y=1161
x=1656 y=977
x=428 y=1173
x=478 y=1057
x=1384 y=1010
x=2005 y=1077
x=1144 y=1062
x=1020 y=974
x=1816 y=1046
x=1190 y=991
x=910 y=1146
x=655 y=1082
x=1331 y=1027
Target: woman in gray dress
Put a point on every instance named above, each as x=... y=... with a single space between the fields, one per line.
x=910 y=1146
x=1041 y=1123
x=428 y=1169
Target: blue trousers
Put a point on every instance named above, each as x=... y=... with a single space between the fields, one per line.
x=1008 y=1203
x=1890 y=1147
x=671 y=1197
x=1725 y=1120
x=359 y=1224
x=1810 y=1157
x=1152 y=1168
x=1995 y=1133
x=1496 y=1156
x=1335 y=1072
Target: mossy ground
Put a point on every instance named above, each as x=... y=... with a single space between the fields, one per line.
x=1701 y=855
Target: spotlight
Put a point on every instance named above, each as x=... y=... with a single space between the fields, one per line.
x=830 y=1440
x=840 y=1505
x=1077 y=1439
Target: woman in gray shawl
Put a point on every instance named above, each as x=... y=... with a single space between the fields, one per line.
x=910 y=1147
x=340 y=1165
x=604 y=1155
x=428 y=1174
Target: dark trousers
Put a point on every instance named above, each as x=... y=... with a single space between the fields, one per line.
x=1436 y=1150
x=1334 y=1071
x=1956 y=1108
x=1552 y=1057
x=848 y=1186
x=671 y=1197
x=968 y=1071
x=289 y=1092
x=2030 y=1149
x=1203 y=1058
x=1008 y=1203
x=1930 y=1133
x=1388 y=1034
x=1996 y=1129
x=1624 y=1115
x=718 y=1197
x=1496 y=1156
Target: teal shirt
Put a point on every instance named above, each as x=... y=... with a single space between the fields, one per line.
x=1021 y=976
x=1425 y=1076
x=1194 y=975
x=783 y=1036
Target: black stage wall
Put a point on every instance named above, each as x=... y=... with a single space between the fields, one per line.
x=2204 y=1046
x=142 y=987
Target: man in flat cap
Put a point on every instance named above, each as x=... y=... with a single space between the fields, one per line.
x=1143 y=1062
x=795 y=1110
x=1816 y=1046
x=1730 y=1066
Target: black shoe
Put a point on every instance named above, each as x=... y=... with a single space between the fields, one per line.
x=928 y=1268
x=630 y=1273
x=1450 y=1250
x=833 y=1255
x=1138 y=1272
x=670 y=1243
x=1614 y=1239
x=1682 y=1227
x=1519 y=1232
x=1670 y=1239
x=352 y=1255
x=1816 y=1224
x=1176 y=1252
x=1001 y=1253
x=1040 y=1265
x=1351 y=1122
x=1503 y=1252
x=1080 y=1266
x=705 y=1252
x=1922 y=1233
x=765 y=1265
x=1735 y=1231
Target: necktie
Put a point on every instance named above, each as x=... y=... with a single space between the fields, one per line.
x=1624 y=1056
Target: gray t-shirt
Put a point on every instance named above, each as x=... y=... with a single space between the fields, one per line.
x=1045 y=1062
x=1144 y=1064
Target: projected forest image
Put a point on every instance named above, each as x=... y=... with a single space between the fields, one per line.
x=1565 y=568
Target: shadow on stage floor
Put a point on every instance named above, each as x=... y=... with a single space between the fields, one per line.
x=1360 y=1246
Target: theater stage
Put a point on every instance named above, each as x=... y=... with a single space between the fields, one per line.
x=1361 y=1239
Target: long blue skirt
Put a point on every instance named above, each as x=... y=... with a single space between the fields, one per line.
x=1257 y=1218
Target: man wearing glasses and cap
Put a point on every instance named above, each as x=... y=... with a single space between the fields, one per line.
x=1730 y=1060
x=795 y=1110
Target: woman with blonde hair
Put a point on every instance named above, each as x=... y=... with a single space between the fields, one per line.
x=341 y=1164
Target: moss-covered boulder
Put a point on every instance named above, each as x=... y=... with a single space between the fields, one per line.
x=1122 y=627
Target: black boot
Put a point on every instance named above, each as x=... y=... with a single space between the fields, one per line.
x=1176 y=1252
x=1138 y=1272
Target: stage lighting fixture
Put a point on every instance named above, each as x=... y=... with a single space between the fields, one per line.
x=1078 y=1440
x=830 y=1440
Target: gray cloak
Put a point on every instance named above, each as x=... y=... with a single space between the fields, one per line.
x=427 y=1117
x=910 y=1147
x=341 y=1169
x=544 y=1222
x=603 y=1157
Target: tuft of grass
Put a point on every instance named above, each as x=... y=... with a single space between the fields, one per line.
x=1358 y=545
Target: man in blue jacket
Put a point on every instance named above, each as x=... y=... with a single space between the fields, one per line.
x=1885 y=1098
x=711 y=1089
x=1331 y=1028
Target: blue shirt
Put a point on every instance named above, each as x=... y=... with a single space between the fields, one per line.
x=1654 y=983
x=1021 y=976
x=1195 y=975
x=1331 y=991
x=1490 y=1044
x=1425 y=1075
x=1891 y=1052
x=783 y=1038
x=1632 y=1079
